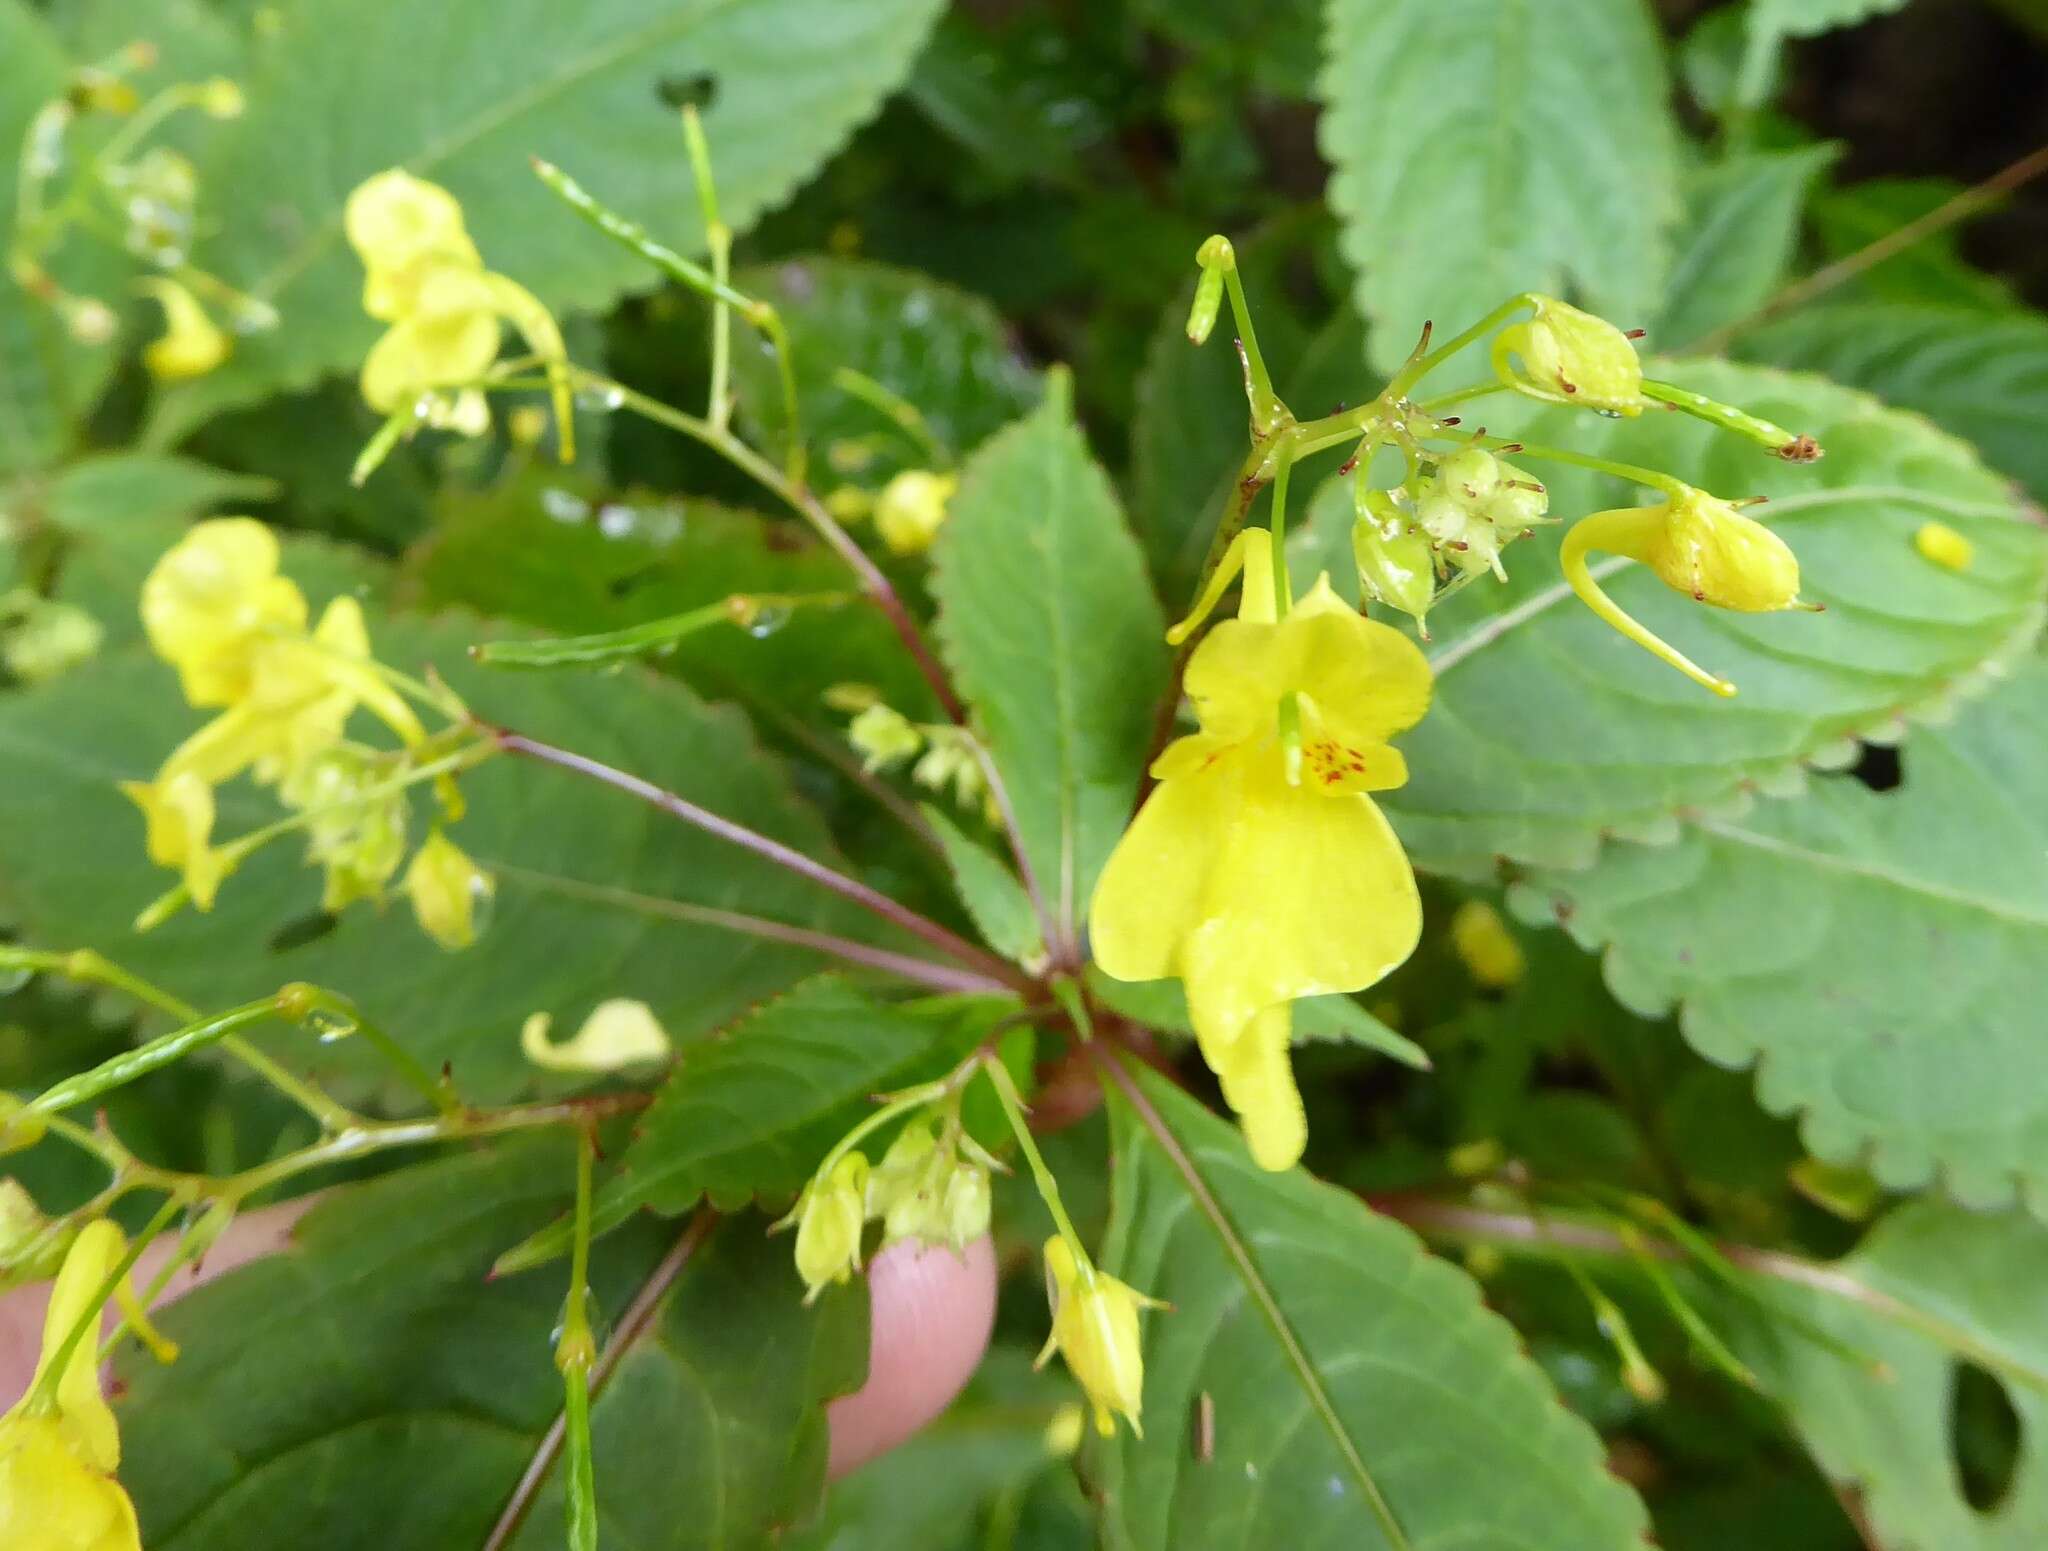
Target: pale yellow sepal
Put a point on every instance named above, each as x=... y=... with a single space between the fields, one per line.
x=447 y=891
x=618 y=1033
x=829 y=1219
x=1571 y=357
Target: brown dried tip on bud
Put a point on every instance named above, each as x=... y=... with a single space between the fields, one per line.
x=1801 y=449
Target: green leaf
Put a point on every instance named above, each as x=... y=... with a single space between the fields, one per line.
x=750 y=1114
x=598 y=895
x=1982 y=376
x=1932 y=270
x=1735 y=245
x=369 y=1388
x=1053 y=636
x=1773 y=22
x=464 y=96
x=1163 y=1005
x=1929 y=1290
x=47 y=379
x=1880 y=958
x=1334 y=1349
x=1484 y=148
x=1002 y=911
x=1549 y=729
x=939 y=348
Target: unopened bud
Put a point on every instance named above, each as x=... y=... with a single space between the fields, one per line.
x=912 y=508
x=1208 y=301
x=1396 y=565
x=20 y=1127
x=1571 y=357
x=1095 y=1328
x=883 y=736
x=829 y=1219
x=1938 y=542
x=1485 y=946
x=221 y=98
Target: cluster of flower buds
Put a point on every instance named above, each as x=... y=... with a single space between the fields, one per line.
x=1460 y=515
x=216 y=609
x=908 y=511
x=946 y=755
x=932 y=1186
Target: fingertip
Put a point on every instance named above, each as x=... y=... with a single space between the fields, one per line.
x=931 y=1313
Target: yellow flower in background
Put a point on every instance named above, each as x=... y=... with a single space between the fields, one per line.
x=192 y=344
x=1259 y=870
x=423 y=275
x=618 y=1033
x=58 y=1453
x=446 y=888
x=1697 y=544
x=912 y=508
x=1938 y=542
x=1095 y=1328
x=212 y=600
x=1486 y=947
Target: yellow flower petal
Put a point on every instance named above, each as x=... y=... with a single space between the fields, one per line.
x=178 y=810
x=618 y=1033
x=404 y=228
x=51 y=1499
x=192 y=344
x=1154 y=890
x=1258 y=1084
x=212 y=599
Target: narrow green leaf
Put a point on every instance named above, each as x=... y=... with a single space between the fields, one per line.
x=1880 y=958
x=1735 y=244
x=1488 y=147
x=1548 y=729
x=1002 y=911
x=1053 y=635
x=465 y=95
x=369 y=1388
x=1982 y=376
x=1331 y=1347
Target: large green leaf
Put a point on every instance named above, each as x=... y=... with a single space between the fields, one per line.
x=369 y=1387
x=1881 y=958
x=47 y=378
x=598 y=895
x=1371 y=1359
x=1549 y=729
x=1930 y=1289
x=1735 y=246
x=1983 y=376
x=1053 y=635
x=940 y=348
x=464 y=95
x=1772 y=22
x=1488 y=147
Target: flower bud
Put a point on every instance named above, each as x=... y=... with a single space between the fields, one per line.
x=1571 y=357
x=968 y=1205
x=829 y=1219
x=1938 y=542
x=44 y=637
x=1474 y=506
x=912 y=508
x=1095 y=1328
x=221 y=98
x=618 y=1033
x=446 y=888
x=1208 y=302
x=1395 y=563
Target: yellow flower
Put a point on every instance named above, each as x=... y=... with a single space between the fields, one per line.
x=192 y=344
x=912 y=508
x=446 y=887
x=212 y=600
x=1697 y=544
x=1571 y=357
x=618 y=1033
x=178 y=809
x=1095 y=1328
x=423 y=275
x=1259 y=870
x=58 y=1453
x=829 y=1219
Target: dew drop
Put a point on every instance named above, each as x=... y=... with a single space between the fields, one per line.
x=330 y=1026
x=482 y=903
x=564 y=506
x=616 y=521
x=767 y=619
